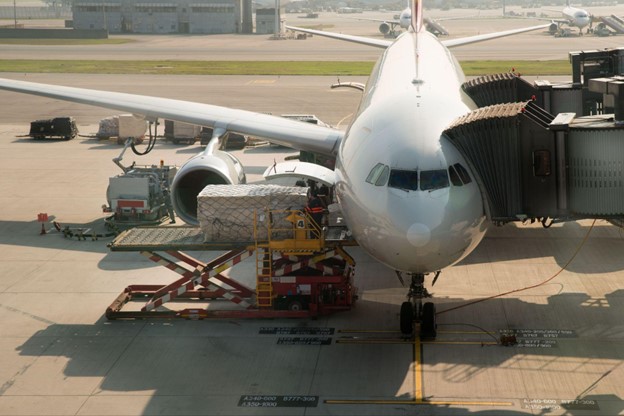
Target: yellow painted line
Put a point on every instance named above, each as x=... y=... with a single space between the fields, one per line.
x=420 y=402
x=261 y=81
x=383 y=331
x=417 y=369
x=401 y=341
x=468 y=332
x=366 y=331
x=372 y=341
x=460 y=342
x=418 y=377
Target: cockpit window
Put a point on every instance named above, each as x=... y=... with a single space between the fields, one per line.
x=433 y=179
x=463 y=173
x=378 y=176
x=404 y=179
x=454 y=177
x=383 y=177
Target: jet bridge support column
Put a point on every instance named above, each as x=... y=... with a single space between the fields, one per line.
x=560 y=126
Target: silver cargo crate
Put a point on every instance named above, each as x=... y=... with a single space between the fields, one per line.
x=226 y=212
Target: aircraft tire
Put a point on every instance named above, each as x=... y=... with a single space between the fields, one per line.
x=428 y=326
x=407 y=318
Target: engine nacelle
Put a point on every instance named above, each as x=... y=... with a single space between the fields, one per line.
x=384 y=28
x=552 y=29
x=217 y=168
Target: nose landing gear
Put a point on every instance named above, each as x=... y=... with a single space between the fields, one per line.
x=415 y=311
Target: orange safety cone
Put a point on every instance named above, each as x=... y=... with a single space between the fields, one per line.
x=42 y=218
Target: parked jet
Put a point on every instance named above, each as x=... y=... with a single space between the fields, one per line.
x=405 y=191
x=573 y=17
x=388 y=27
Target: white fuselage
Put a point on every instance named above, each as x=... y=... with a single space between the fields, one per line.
x=405 y=18
x=412 y=95
x=576 y=17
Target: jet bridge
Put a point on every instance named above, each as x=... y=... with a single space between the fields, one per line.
x=574 y=96
x=502 y=88
x=547 y=150
x=533 y=165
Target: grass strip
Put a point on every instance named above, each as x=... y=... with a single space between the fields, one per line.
x=354 y=68
x=555 y=67
x=188 y=67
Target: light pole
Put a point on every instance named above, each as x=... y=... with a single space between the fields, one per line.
x=277 y=28
x=15 y=12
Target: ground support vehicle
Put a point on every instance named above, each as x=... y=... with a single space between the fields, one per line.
x=139 y=196
x=297 y=276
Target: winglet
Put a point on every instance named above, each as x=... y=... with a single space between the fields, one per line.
x=417 y=17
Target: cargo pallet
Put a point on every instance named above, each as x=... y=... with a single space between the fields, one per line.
x=55 y=128
x=308 y=274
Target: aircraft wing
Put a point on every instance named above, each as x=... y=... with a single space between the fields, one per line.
x=278 y=130
x=563 y=21
x=378 y=43
x=450 y=43
x=389 y=21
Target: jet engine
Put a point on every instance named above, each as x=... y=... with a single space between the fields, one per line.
x=384 y=28
x=552 y=29
x=207 y=168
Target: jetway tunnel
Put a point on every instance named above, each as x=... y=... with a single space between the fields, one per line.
x=532 y=164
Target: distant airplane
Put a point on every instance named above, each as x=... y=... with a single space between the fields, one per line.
x=405 y=191
x=573 y=17
x=388 y=27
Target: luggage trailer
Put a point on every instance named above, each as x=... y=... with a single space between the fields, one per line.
x=298 y=277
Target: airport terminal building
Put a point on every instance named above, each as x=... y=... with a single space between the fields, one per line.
x=163 y=16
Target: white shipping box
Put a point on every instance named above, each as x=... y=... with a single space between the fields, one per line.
x=131 y=126
x=226 y=212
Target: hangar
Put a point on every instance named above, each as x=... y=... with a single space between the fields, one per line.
x=164 y=16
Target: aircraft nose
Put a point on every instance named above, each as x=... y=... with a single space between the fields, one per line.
x=418 y=234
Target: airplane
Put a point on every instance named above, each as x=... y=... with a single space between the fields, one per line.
x=389 y=30
x=388 y=27
x=406 y=193
x=573 y=17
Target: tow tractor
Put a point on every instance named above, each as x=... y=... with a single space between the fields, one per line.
x=301 y=271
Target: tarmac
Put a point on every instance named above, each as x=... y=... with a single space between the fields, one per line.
x=59 y=355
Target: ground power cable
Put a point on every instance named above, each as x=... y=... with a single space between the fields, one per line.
x=578 y=249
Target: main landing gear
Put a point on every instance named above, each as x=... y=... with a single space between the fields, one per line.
x=415 y=311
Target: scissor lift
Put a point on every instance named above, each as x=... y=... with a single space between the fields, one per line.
x=306 y=274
